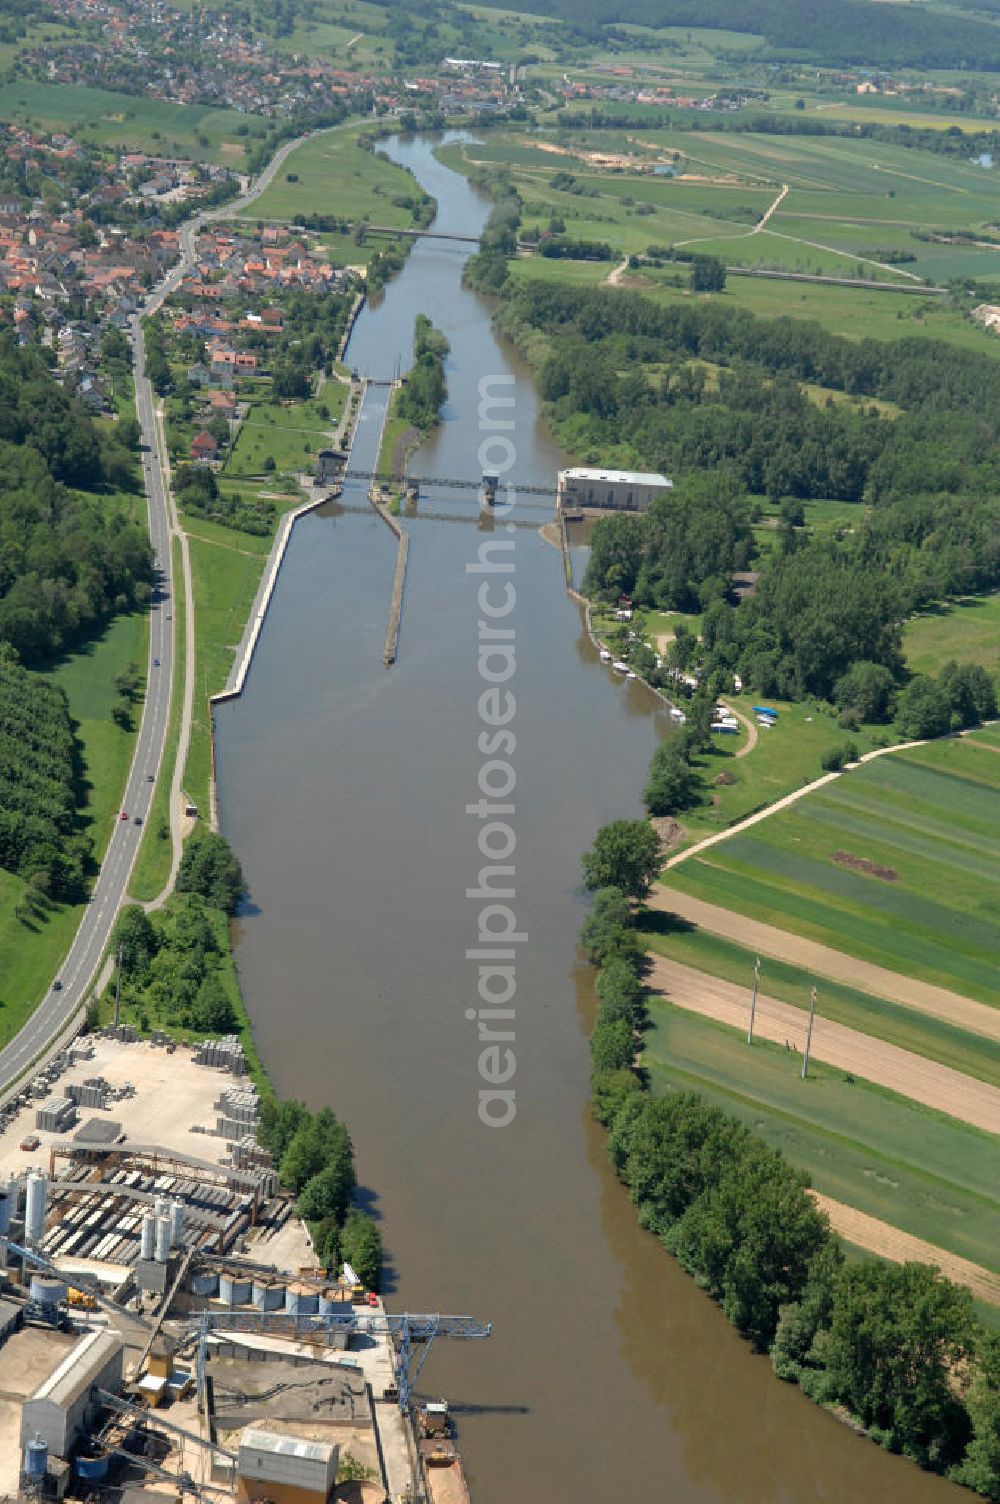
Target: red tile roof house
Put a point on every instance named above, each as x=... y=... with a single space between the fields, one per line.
x=203 y=448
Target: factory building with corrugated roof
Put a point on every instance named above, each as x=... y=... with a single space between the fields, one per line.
x=284 y=1469
x=614 y=490
x=62 y=1408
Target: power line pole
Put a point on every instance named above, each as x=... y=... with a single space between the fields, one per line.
x=809 y=1033
x=753 y=1000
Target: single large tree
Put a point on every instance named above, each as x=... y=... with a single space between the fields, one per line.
x=625 y=855
x=898 y=1334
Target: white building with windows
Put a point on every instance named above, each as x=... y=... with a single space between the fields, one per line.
x=614 y=490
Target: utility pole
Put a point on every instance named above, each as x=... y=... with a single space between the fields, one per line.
x=753 y=1000
x=809 y=1033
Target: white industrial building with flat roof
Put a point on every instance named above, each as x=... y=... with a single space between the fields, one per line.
x=619 y=490
x=61 y=1409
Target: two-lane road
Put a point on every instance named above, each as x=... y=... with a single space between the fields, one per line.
x=80 y=965
x=63 y=1000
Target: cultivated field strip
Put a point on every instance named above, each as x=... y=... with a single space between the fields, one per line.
x=894 y=863
x=913 y=1076
x=825 y=961
x=902 y=1247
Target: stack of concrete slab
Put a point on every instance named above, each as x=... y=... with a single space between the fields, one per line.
x=224 y=1054
x=93 y=1092
x=56 y=1115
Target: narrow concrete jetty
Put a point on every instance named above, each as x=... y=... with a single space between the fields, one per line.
x=396 y=600
x=402 y=544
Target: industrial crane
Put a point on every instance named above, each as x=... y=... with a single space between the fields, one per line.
x=405 y=1330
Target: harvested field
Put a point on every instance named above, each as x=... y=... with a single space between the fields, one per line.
x=901 y=1247
x=823 y=960
x=913 y=1076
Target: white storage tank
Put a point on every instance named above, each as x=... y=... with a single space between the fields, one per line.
x=34 y=1211
x=268 y=1295
x=235 y=1289
x=6 y=1208
x=163 y=1239
x=301 y=1300
x=176 y=1222
x=45 y=1290
x=147 y=1238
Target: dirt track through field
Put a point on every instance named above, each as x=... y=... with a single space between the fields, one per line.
x=824 y=961
x=887 y=1065
x=901 y=1247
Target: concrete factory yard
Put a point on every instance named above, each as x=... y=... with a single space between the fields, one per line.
x=172 y=1095
x=26 y=1360
x=288 y=1247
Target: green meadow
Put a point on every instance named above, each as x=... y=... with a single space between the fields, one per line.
x=918 y=1170
x=929 y=818
x=853 y=207
x=967 y=629
x=225 y=576
x=334 y=175
x=290 y=436
x=105 y=118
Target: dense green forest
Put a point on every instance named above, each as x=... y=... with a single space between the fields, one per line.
x=622 y=376
x=425 y=388
x=898 y=1347
x=66 y=563
x=38 y=780
x=830 y=32
x=315 y=1157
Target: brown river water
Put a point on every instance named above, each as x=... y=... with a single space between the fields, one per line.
x=343 y=788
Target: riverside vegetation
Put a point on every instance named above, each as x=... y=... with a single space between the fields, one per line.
x=895 y=1348
x=176 y=972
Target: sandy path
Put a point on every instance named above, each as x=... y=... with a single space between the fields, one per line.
x=751 y=728
x=888 y=1065
x=784 y=803
x=616 y=274
x=824 y=961
x=902 y=1247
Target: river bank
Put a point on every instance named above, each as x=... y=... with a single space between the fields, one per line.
x=526 y=1227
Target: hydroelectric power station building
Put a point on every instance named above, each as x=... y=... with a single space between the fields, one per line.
x=615 y=490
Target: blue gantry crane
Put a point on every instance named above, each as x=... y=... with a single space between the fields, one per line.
x=412 y=1335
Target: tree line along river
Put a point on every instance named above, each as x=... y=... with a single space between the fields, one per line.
x=344 y=788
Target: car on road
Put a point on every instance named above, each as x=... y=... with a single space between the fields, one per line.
x=150 y=777
x=156 y=662
x=123 y=815
x=137 y=820
x=57 y=985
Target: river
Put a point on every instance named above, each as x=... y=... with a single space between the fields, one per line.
x=343 y=788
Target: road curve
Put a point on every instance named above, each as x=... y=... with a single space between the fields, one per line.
x=62 y=1002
